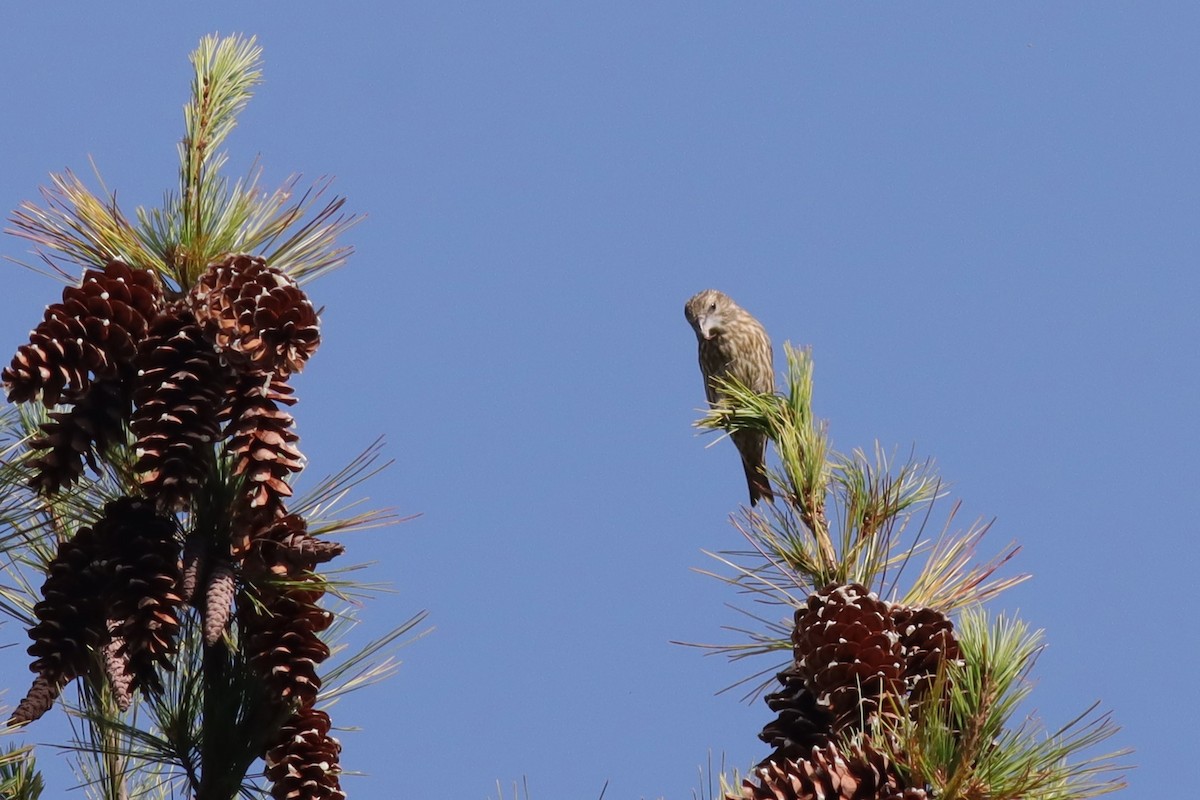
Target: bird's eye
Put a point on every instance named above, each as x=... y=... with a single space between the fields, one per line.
x=713 y=307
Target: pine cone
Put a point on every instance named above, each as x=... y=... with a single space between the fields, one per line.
x=286 y=550
x=262 y=445
x=70 y=621
x=283 y=644
x=927 y=637
x=117 y=666
x=38 y=700
x=54 y=362
x=181 y=383
x=218 y=601
x=801 y=724
x=256 y=314
x=195 y=558
x=96 y=422
x=92 y=334
x=144 y=596
x=281 y=628
x=827 y=773
x=849 y=654
x=303 y=765
x=281 y=624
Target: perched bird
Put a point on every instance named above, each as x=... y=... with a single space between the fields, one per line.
x=734 y=344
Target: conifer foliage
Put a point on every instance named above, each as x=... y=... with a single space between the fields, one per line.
x=898 y=686
x=180 y=573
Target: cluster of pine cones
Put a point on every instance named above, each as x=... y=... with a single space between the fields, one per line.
x=196 y=383
x=856 y=661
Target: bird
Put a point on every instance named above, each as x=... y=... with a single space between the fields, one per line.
x=733 y=344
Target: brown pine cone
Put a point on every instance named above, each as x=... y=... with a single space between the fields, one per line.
x=181 y=384
x=849 y=654
x=828 y=773
x=117 y=667
x=143 y=596
x=218 y=601
x=282 y=622
x=261 y=442
x=286 y=550
x=70 y=620
x=256 y=314
x=54 y=363
x=283 y=644
x=38 y=700
x=304 y=764
x=68 y=438
x=195 y=565
x=801 y=724
x=91 y=335
x=927 y=637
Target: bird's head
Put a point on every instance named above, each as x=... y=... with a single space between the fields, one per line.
x=707 y=313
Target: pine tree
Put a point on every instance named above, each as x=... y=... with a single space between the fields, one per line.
x=148 y=479
x=898 y=686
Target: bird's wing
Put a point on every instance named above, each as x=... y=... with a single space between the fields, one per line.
x=711 y=363
x=767 y=385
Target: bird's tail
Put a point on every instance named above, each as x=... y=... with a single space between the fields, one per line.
x=752 y=447
x=757 y=483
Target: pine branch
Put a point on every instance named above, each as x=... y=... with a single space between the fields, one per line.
x=800 y=440
x=878 y=678
x=19 y=777
x=204 y=461
x=207 y=217
x=373 y=662
x=226 y=71
x=967 y=747
x=840 y=518
x=77 y=228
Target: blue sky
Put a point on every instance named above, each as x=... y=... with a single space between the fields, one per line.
x=983 y=219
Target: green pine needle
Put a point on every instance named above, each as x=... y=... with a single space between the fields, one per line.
x=206 y=217
x=841 y=518
x=862 y=518
x=203 y=732
x=969 y=746
x=19 y=776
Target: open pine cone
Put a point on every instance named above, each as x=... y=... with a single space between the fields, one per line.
x=856 y=660
x=91 y=335
x=849 y=654
x=70 y=622
x=304 y=761
x=180 y=387
x=828 y=773
x=256 y=314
